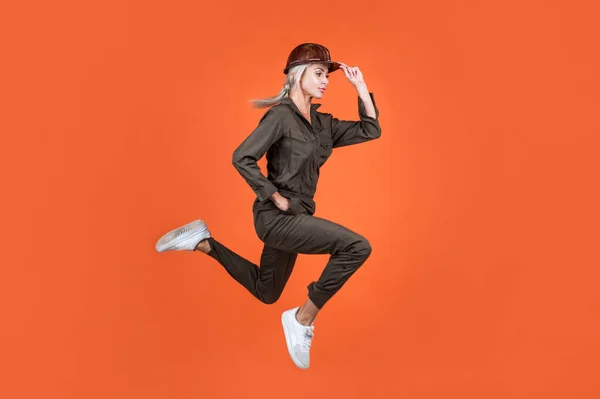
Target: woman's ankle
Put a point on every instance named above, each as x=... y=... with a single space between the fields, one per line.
x=203 y=246
x=307 y=313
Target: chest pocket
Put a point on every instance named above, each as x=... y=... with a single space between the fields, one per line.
x=300 y=147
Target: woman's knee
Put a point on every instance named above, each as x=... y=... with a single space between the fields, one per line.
x=364 y=248
x=360 y=248
x=269 y=298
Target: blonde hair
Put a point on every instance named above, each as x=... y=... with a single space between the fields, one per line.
x=292 y=78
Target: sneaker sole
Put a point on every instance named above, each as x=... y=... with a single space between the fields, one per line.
x=286 y=330
x=170 y=240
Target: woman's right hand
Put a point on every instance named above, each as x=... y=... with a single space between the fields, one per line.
x=281 y=202
x=284 y=205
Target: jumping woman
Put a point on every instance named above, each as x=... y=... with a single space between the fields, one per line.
x=297 y=140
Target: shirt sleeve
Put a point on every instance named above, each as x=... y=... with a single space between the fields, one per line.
x=353 y=132
x=253 y=148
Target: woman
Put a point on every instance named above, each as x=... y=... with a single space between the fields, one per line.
x=297 y=140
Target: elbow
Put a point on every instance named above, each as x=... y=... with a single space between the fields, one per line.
x=242 y=162
x=377 y=127
x=371 y=129
x=236 y=158
x=377 y=132
x=237 y=161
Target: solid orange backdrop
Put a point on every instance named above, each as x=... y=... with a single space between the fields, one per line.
x=118 y=123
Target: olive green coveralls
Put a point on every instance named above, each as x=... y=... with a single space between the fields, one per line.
x=295 y=150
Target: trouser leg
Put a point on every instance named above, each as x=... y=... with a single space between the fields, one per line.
x=265 y=282
x=308 y=234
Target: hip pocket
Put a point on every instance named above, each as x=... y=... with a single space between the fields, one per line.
x=295 y=208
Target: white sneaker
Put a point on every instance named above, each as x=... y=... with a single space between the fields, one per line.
x=298 y=338
x=184 y=238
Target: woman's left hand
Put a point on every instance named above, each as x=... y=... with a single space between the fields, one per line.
x=353 y=74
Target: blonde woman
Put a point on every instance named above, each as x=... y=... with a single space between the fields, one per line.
x=297 y=139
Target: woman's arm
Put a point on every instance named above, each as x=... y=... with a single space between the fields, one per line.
x=346 y=132
x=253 y=148
x=365 y=96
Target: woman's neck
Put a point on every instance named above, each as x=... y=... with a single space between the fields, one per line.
x=302 y=101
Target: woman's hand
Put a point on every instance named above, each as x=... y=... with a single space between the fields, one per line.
x=281 y=202
x=355 y=77
x=353 y=74
x=284 y=205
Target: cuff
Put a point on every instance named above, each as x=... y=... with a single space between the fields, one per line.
x=268 y=190
x=362 y=112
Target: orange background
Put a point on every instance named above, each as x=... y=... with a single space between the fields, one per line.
x=118 y=123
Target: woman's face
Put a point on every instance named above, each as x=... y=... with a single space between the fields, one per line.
x=315 y=80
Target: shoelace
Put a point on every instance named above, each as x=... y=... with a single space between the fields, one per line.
x=307 y=338
x=185 y=230
x=180 y=232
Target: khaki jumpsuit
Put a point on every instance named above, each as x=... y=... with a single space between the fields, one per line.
x=295 y=151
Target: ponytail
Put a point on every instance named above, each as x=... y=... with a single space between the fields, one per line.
x=292 y=78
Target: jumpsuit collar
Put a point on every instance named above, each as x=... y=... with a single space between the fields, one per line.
x=313 y=108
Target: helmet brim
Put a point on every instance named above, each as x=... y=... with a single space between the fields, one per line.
x=333 y=66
